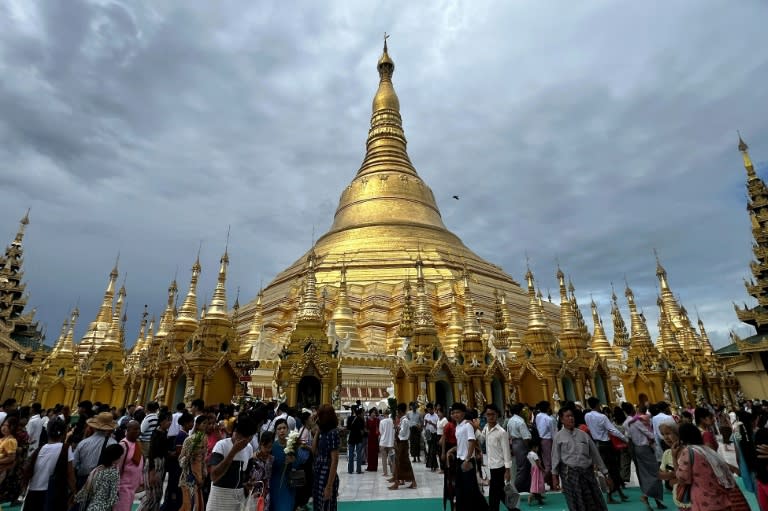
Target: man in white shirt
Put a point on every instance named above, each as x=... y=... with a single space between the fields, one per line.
x=430 y=430
x=442 y=420
x=174 y=428
x=35 y=426
x=545 y=426
x=496 y=442
x=600 y=429
x=519 y=437
x=468 y=495
x=386 y=440
x=282 y=413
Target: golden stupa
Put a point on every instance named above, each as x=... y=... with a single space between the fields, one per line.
x=386 y=224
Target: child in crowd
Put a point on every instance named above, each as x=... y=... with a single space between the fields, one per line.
x=537 y=475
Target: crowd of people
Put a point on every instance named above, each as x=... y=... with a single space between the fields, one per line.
x=587 y=453
x=271 y=457
x=195 y=458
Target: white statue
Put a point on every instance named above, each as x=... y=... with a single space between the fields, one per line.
x=685 y=396
x=512 y=395
x=587 y=389
x=160 y=394
x=555 y=397
x=336 y=397
x=667 y=395
x=190 y=392
x=281 y=395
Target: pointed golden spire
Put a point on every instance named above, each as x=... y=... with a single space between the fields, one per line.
x=471 y=326
x=744 y=149
x=253 y=336
x=405 y=329
x=310 y=308
x=500 y=334
x=57 y=347
x=671 y=305
x=620 y=334
x=188 y=312
x=113 y=334
x=423 y=319
x=454 y=332
x=69 y=341
x=104 y=317
x=398 y=196
x=567 y=317
x=705 y=342
x=535 y=317
x=640 y=338
x=343 y=317
x=218 y=306
x=166 y=320
x=667 y=342
x=600 y=344
x=513 y=337
x=23 y=223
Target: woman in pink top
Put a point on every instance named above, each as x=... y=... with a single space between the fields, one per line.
x=131 y=468
x=712 y=486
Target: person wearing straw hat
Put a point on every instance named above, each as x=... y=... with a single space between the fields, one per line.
x=88 y=451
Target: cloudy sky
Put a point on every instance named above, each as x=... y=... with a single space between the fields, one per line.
x=587 y=132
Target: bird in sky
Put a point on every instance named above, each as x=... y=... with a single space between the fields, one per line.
x=456 y=197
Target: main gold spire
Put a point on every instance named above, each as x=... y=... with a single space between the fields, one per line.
x=387 y=189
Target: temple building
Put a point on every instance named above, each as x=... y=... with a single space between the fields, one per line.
x=747 y=359
x=387 y=302
x=21 y=340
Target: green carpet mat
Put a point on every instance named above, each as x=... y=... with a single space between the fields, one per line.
x=554 y=502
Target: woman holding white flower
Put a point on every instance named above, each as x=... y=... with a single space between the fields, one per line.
x=287 y=457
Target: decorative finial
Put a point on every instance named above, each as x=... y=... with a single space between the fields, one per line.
x=742 y=145
x=226 y=245
x=386 y=36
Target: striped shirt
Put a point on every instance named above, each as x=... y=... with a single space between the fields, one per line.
x=88 y=452
x=148 y=426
